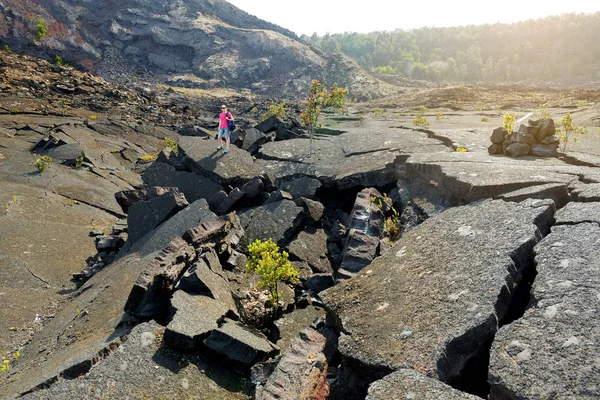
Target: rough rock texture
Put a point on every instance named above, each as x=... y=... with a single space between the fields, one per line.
x=362 y=244
x=314 y=209
x=144 y=216
x=587 y=193
x=288 y=327
x=202 y=157
x=311 y=246
x=301 y=187
x=302 y=371
x=127 y=198
x=192 y=185
x=195 y=317
x=552 y=351
x=157 y=281
x=279 y=221
x=239 y=343
x=576 y=213
x=200 y=279
x=557 y=192
x=434 y=299
x=253 y=139
x=410 y=384
x=188 y=218
x=151 y=372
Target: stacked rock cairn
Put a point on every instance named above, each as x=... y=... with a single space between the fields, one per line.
x=536 y=138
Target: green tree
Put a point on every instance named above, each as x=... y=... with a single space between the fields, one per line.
x=318 y=100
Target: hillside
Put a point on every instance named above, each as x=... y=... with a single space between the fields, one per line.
x=199 y=44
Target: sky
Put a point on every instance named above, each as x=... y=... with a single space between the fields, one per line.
x=338 y=16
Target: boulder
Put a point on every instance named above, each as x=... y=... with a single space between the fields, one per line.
x=174 y=227
x=302 y=371
x=366 y=224
x=144 y=216
x=435 y=298
x=525 y=138
x=192 y=185
x=127 y=198
x=222 y=205
x=313 y=208
x=311 y=246
x=156 y=282
x=286 y=329
x=552 y=351
x=360 y=250
x=319 y=282
x=287 y=133
x=546 y=128
x=410 y=384
x=550 y=140
x=495 y=149
x=253 y=187
x=202 y=157
x=498 y=135
x=517 y=149
x=199 y=279
x=279 y=221
x=254 y=138
x=301 y=187
x=195 y=317
x=66 y=153
x=240 y=344
x=544 y=150
x=270 y=124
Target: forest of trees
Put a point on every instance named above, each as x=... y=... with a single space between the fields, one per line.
x=559 y=49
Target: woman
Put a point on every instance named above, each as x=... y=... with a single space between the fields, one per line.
x=224 y=118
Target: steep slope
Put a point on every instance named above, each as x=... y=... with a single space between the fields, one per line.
x=196 y=43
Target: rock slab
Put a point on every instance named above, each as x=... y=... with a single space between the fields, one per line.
x=433 y=300
x=552 y=351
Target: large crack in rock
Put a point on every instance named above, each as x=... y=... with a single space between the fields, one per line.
x=552 y=351
x=433 y=302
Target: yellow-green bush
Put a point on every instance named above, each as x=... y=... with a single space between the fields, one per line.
x=271 y=266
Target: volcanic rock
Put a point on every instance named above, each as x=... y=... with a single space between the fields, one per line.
x=551 y=351
x=195 y=317
x=409 y=384
x=278 y=221
x=144 y=216
x=192 y=185
x=435 y=298
x=302 y=371
x=240 y=344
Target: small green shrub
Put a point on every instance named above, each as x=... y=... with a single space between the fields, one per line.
x=272 y=266
x=485 y=119
x=568 y=128
x=274 y=110
x=42 y=162
x=379 y=112
x=58 y=60
x=420 y=120
x=41 y=28
x=438 y=115
x=171 y=144
x=5 y=366
x=146 y=158
x=79 y=161
x=6 y=48
x=509 y=122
